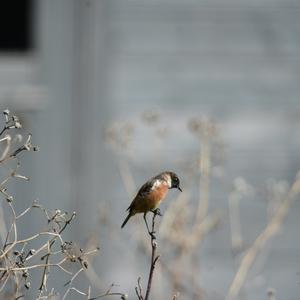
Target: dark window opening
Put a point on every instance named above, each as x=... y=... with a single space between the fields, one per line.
x=16 y=26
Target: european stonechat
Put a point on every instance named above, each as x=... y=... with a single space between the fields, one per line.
x=151 y=194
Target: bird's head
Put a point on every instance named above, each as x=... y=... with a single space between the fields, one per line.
x=174 y=181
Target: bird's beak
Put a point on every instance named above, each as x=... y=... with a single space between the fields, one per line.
x=179 y=188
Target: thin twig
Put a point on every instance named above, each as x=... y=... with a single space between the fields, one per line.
x=138 y=290
x=109 y=293
x=154 y=258
x=51 y=242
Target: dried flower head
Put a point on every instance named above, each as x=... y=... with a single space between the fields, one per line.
x=119 y=135
x=11 y=121
x=203 y=127
x=150 y=117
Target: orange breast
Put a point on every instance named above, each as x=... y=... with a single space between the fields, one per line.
x=152 y=200
x=155 y=196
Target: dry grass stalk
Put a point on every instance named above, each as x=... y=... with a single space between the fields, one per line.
x=179 y=236
x=183 y=227
x=270 y=230
x=18 y=257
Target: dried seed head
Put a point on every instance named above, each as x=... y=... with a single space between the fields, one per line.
x=203 y=127
x=27 y=285
x=10 y=199
x=32 y=251
x=150 y=117
x=6 y=112
x=25 y=274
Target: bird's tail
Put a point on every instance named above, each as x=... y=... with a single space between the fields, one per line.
x=126 y=220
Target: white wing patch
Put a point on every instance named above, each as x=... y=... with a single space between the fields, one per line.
x=166 y=181
x=169 y=181
x=156 y=184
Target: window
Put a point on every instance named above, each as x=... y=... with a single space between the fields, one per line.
x=16 y=26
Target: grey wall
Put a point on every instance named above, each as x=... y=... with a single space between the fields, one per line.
x=100 y=61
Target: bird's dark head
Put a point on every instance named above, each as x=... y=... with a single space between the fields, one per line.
x=175 y=182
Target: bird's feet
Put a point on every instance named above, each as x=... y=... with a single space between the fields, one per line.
x=157 y=212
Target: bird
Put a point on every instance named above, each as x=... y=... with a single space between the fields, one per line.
x=150 y=195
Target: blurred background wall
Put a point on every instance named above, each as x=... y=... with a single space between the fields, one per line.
x=87 y=64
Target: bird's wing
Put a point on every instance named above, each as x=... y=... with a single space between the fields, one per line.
x=143 y=191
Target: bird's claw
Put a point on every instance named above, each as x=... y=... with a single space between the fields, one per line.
x=157 y=212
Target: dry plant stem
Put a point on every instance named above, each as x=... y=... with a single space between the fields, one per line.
x=88 y=293
x=270 y=230
x=93 y=277
x=189 y=244
x=235 y=223
x=127 y=177
x=107 y=293
x=16 y=255
x=199 y=228
x=14 y=154
x=154 y=258
x=15 y=271
x=3 y=130
x=8 y=141
x=138 y=290
x=204 y=182
x=50 y=244
x=104 y=295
